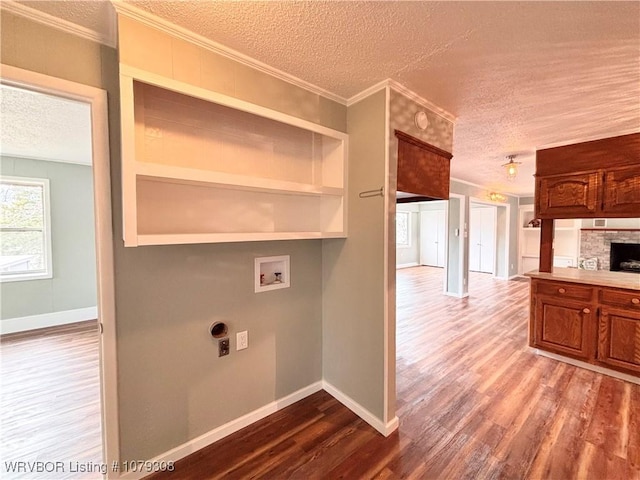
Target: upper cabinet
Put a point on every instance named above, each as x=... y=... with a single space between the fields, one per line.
x=568 y=195
x=621 y=189
x=591 y=179
x=202 y=167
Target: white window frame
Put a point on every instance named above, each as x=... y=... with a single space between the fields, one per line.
x=46 y=205
x=408 y=217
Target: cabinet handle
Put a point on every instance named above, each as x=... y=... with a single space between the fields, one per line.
x=561 y=290
x=635 y=301
x=586 y=310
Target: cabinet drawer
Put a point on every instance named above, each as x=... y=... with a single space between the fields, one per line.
x=565 y=290
x=620 y=298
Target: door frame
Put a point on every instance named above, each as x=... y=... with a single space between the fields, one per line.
x=507 y=229
x=97 y=100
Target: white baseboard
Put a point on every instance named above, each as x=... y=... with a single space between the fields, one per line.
x=32 y=322
x=363 y=413
x=517 y=275
x=222 y=431
x=457 y=295
x=407 y=265
x=589 y=366
x=233 y=426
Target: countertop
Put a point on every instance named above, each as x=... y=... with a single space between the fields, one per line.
x=602 y=278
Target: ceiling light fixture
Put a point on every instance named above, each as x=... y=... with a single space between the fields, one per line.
x=512 y=167
x=497 y=197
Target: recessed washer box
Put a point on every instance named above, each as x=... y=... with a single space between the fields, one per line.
x=271 y=273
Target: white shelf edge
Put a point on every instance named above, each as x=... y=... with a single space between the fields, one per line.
x=192 y=176
x=562 y=229
x=190 y=238
x=227 y=101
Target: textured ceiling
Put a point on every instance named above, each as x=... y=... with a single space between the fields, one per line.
x=44 y=127
x=517 y=75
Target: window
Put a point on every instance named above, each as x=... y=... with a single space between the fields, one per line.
x=403 y=229
x=25 y=234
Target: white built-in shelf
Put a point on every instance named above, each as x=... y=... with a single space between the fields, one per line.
x=202 y=167
x=566 y=242
x=192 y=176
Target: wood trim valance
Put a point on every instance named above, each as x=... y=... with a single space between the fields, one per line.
x=423 y=169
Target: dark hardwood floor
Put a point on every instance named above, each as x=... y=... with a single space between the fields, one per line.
x=474 y=402
x=50 y=401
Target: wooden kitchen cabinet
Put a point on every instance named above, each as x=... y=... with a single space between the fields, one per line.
x=568 y=195
x=593 y=179
x=592 y=323
x=619 y=330
x=563 y=319
x=621 y=191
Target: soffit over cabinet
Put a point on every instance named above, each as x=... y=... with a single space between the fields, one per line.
x=201 y=167
x=423 y=170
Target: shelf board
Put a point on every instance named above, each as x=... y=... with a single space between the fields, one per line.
x=188 y=238
x=557 y=229
x=192 y=176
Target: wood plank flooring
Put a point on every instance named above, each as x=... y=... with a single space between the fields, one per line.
x=474 y=402
x=50 y=400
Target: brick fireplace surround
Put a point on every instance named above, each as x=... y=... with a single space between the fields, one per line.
x=596 y=242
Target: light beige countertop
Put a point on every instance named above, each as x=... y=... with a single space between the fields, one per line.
x=602 y=278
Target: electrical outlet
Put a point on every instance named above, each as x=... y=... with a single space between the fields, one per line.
x=223 y=347
x=242 y=340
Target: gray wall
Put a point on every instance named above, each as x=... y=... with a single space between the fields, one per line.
x=172 y=385
x=353 y=269
x=72 y=238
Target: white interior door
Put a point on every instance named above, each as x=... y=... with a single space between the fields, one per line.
x=432 y=244
x=482 y=239
x=475 y=239
x=441 y=243
x=488 y=240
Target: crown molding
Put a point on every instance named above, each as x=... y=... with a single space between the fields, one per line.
x=182 y=33
x=367 y=92
x=441 y=112
x=401 y=89
x=58 y=23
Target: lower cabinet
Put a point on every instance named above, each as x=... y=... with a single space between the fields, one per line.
x=564 y=327
x=619 y=339
x=593 y=324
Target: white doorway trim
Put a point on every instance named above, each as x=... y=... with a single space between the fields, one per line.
x=97 y=99
x=507 y=245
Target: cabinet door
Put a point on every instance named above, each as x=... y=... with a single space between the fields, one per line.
x=621 y=189
x=619 y=339
x=564 y=326
x=567 y=196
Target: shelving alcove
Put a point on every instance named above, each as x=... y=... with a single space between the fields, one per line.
x=566 y=241
x=202 y=167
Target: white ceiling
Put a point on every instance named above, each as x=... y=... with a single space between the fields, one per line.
x=517 y=75
x=44 y=127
